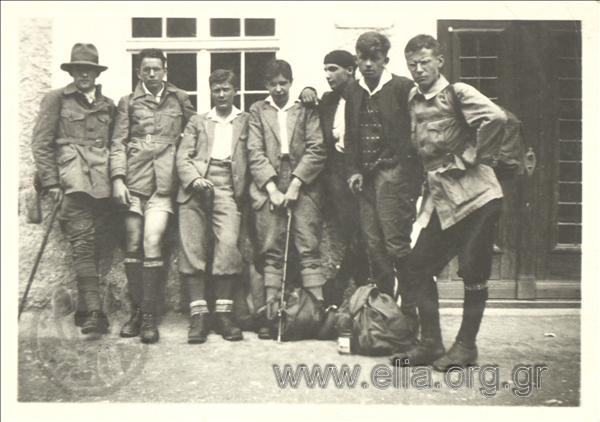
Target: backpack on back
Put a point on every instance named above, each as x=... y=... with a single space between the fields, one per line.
x=509 y=155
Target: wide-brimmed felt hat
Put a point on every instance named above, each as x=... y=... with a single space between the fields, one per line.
x=83 y=55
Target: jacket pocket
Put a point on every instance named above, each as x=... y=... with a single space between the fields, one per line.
x=69 y=167
x=464 y=188
x=73 y=123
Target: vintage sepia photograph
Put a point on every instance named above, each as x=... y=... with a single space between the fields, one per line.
x=299 y=210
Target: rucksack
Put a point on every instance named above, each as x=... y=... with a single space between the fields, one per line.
x=378 y=325
x=302 y=315
x=508 y=153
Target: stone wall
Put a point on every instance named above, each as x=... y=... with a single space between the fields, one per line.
x=55 y=270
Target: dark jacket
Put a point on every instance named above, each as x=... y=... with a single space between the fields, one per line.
x=395 y=118
x=307 y=152
x=70 y=142
x=194 y=152
x=145 y=139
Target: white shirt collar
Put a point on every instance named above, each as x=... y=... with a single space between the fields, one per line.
x=157 y=96
x=90 y=96
x=435 y=89
x=386 y=76
x=212 y=115
x=286 y=107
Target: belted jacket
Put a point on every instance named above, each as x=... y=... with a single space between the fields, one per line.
x=70 y=141
x=145 y=139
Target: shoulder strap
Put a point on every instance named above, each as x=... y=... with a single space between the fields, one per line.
x=456 y=104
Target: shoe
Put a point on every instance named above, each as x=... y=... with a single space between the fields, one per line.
x=459 y=355
x=227 y=328
x=96 y=322
x=198 y=330
x=422 y=354
x=149 y=331
x=80 y=317
x=132 y=327
x=264 y=333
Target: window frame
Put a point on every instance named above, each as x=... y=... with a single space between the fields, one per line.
x=203 y=45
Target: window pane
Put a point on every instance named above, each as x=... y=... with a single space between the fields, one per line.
x=488 y=44
x=570 y=109
x=468 y=67
x=230 y=61
x=570 y=151
x=570 y=130
x=568 y=213
x=224 y=27
x=570 y=172
x=255 y=64
x=488 y=67
x=569 y=192
x=250 y=99
x=146 y=27
x=135 y=63
x=570 y=234
x=181 y=27
x=259 y=27
x=468 y=45
x=182 y=70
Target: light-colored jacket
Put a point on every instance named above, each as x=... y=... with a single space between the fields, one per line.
x=195 y=150
x=457 y=182
x=307 y=151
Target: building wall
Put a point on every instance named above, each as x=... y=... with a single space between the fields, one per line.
x=302 y=39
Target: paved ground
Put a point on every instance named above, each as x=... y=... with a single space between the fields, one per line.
x=56 y=364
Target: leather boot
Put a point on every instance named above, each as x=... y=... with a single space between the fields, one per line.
x=198 y=330
x=96 y=322
x=459 y=355
x=226 y=327
x=132 y=327
x=149 y=331
x=431 y=346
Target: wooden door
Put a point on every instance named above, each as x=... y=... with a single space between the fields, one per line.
x=532 y=68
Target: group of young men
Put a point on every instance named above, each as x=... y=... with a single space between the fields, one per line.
x=372 y=146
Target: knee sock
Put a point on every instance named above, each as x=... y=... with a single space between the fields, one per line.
x=429 y=312
x=152 y=276
x=473 y=307
x=133 y=271
x=223 y=285
x=196 y=284
x=88 y=289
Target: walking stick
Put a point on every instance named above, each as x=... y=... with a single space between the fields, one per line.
x=284 y=276
x=39 y=256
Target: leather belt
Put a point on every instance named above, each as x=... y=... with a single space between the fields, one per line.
x=98 y=143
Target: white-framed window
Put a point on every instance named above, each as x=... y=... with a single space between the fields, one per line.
x=196 y=46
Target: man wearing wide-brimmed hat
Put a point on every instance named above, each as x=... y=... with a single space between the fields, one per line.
x=70 y=148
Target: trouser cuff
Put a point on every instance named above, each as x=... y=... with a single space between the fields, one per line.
x=312 y=278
